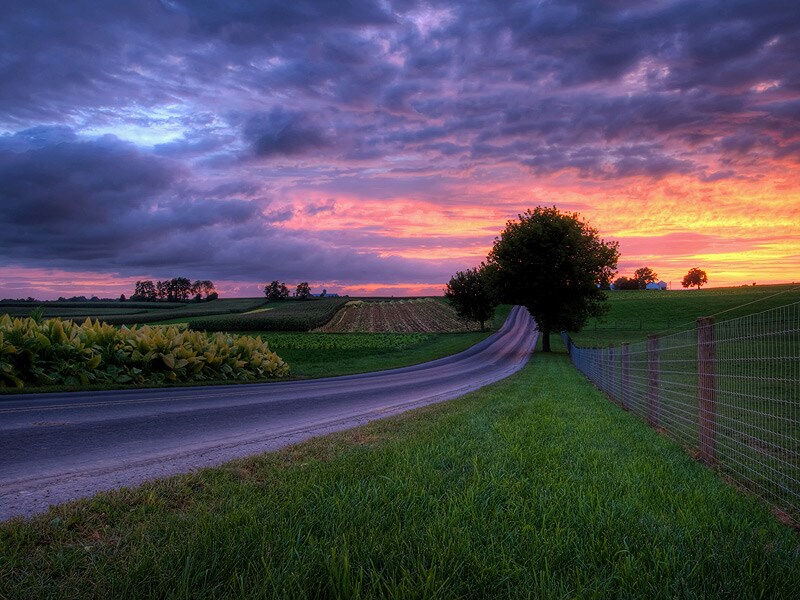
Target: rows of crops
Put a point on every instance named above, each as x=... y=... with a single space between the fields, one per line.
x=61 y=352
x=352 y=341
x=131 y=313
x=287 y=315
x=426 y=315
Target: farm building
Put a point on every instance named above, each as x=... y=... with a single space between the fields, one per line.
x=661 y=285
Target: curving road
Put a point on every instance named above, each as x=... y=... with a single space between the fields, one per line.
x=58 y=447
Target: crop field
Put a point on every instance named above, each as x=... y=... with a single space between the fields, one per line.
x=132 y=313
x=635 y=314
x=426 y=315
x=285 y=315
x=60 y=352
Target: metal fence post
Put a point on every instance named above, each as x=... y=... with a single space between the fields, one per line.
x=707 y=388
x=652 y=380
x=626 y=375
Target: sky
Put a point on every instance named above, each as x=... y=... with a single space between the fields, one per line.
x=378 y=147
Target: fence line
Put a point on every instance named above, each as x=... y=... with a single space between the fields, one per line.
x=728 y=392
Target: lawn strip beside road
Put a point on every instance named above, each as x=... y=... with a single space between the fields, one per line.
x=533 y=486
x=310 y=362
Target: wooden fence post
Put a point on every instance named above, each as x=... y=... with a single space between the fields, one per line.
x=652 y=380
x=626 y=375
x=707 y=388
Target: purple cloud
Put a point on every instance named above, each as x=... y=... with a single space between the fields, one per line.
x=140 y=134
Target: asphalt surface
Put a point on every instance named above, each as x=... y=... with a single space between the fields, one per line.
x=59 y=447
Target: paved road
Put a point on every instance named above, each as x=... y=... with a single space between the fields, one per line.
x=58 y=447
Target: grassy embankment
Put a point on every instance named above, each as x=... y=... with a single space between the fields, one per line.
x=636 y=313
x=536 y=486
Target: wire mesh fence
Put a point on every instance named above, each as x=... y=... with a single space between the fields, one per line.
x=728 y=392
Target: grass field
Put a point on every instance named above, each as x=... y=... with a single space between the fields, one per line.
x=536 y=487
x=755 y=417
x=636 y=313
x=328 y=355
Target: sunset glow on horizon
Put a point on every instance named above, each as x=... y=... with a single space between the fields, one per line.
x=376 y=148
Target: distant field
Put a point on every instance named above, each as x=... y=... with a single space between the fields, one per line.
x=421 y=315
x=132 y=313
x=636 y=313
x=286 y=315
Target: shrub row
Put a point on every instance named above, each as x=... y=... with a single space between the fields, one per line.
x=287 y=315
x=56 y=351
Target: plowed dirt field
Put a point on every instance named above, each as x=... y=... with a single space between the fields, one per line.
x=425 y=315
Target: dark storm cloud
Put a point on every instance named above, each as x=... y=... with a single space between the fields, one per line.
x=481 y=69
x=77 y=182
x=104 y=204
x=244 y=22
x=283 y=132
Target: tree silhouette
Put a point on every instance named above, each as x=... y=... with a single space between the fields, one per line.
x=554 y=264
x=643 y=276
x=695 y=276
x=276 y=291
x=471 y=295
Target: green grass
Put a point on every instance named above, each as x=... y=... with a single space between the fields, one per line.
x=533 y=487
x=359 y=353
x=636 y=313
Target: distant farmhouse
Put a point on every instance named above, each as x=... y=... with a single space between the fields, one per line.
x=661 y=285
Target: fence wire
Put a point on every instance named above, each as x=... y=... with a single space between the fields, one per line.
x=728 y=392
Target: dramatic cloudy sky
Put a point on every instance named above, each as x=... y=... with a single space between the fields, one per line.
x=380 y=146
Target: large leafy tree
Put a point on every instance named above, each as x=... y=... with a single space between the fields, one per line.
x=179 y=288
x=471 y=295
x=276 y=290
x=643 y=276
x=625 y=283
x=303 y=291
x=554 y=264
x=145 y=290
x=162 y=290
x=695 y=276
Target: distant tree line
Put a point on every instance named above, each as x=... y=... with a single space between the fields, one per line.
x=177 y=289
x=277 y=290
x=641 y=277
